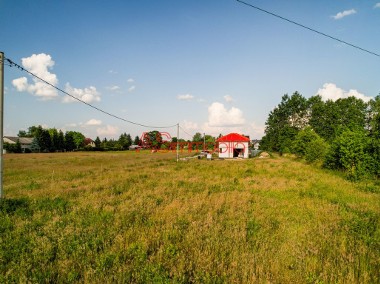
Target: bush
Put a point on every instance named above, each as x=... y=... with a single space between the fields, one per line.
x=309 y=145
x=350 y=152
x=316 y=150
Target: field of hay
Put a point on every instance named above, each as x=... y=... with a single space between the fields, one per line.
x=138 y=217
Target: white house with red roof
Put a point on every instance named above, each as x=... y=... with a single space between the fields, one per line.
x=233 y=145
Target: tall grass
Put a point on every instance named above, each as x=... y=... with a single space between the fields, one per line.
x=143 y=218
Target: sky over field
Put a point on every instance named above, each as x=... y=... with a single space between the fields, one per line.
x=211 y=66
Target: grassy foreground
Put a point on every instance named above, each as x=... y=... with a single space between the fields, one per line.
x=144 y=218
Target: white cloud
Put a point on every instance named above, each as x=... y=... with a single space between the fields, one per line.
x=130 y=80
x=219 y=116
x=21 y=84
x=72 y=125
x=88 y=95
x=228 y=99
x=330 y=91
x=190 y=125
x=185 y=97
x=38 y=64
x=107 y=131
x=377 y=5
x=343 y=14
x=112 y=72
x=131 y=89
x=113 y=88
x=93 y=122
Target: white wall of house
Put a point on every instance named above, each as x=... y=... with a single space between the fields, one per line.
x=233 y=150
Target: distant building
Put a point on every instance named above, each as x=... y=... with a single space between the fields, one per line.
x=89 y=142
x=256 y=144
x=233 y=145
x=135 y=147
x=25 y=142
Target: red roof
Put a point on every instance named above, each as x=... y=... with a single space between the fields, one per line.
x=233 y=137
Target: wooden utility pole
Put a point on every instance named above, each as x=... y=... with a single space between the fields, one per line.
x=1 y=120
x=177 y=142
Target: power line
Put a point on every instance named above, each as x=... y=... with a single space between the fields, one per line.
x=185 y=131
x=310 y=29
x=11 y=63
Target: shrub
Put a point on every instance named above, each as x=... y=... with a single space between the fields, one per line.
x=316 y=150
x=309 y=145
x=350 y=152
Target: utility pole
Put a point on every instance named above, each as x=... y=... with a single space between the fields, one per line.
x=204 y=141
x=1 y=119
x=177 y=142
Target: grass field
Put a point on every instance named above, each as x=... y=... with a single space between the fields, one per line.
x=132 y=217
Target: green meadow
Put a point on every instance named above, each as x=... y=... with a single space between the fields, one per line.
x=138 y=217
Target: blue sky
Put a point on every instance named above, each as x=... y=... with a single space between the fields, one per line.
x=212 y=66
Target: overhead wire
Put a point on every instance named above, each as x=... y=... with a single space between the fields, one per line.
x=13 y=64
x=185 y=131
x=308 y=28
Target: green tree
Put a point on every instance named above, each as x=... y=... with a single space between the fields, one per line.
x=350 y=152
x=54 y=139
x=136 y=141
x=22 y=133
x=198 y=137
x=78 y=139
x=125 y=141
x=284 y=122
x=61 y=141
x=309 y=145
x=329 y=119
x=69 y=141
x=152 y=139
x=97 y=142
x=13 y=148
x=44 y=139
x=34 y=147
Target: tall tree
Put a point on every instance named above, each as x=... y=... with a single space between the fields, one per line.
x=97 y=142
x=198 y=137
x=54 y=139
x=69 y=141
x=125 y=141
x=284 y=122
x=152 y=139
x=136 y=141
x=61 y=141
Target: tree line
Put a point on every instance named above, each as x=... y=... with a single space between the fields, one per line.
x=53 y=140
x=343 y=134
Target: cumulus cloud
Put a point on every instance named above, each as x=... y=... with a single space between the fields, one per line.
x=88 y=95
x=131 y=88
x=130 y=80
x=330 y=91
x=108 y=130
x=93 y=122
x=38 y=64
x=219 y=116
x=228 y=99
x=343 y=14
x=185 y=97
x=377 y=5
x=190 y=125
